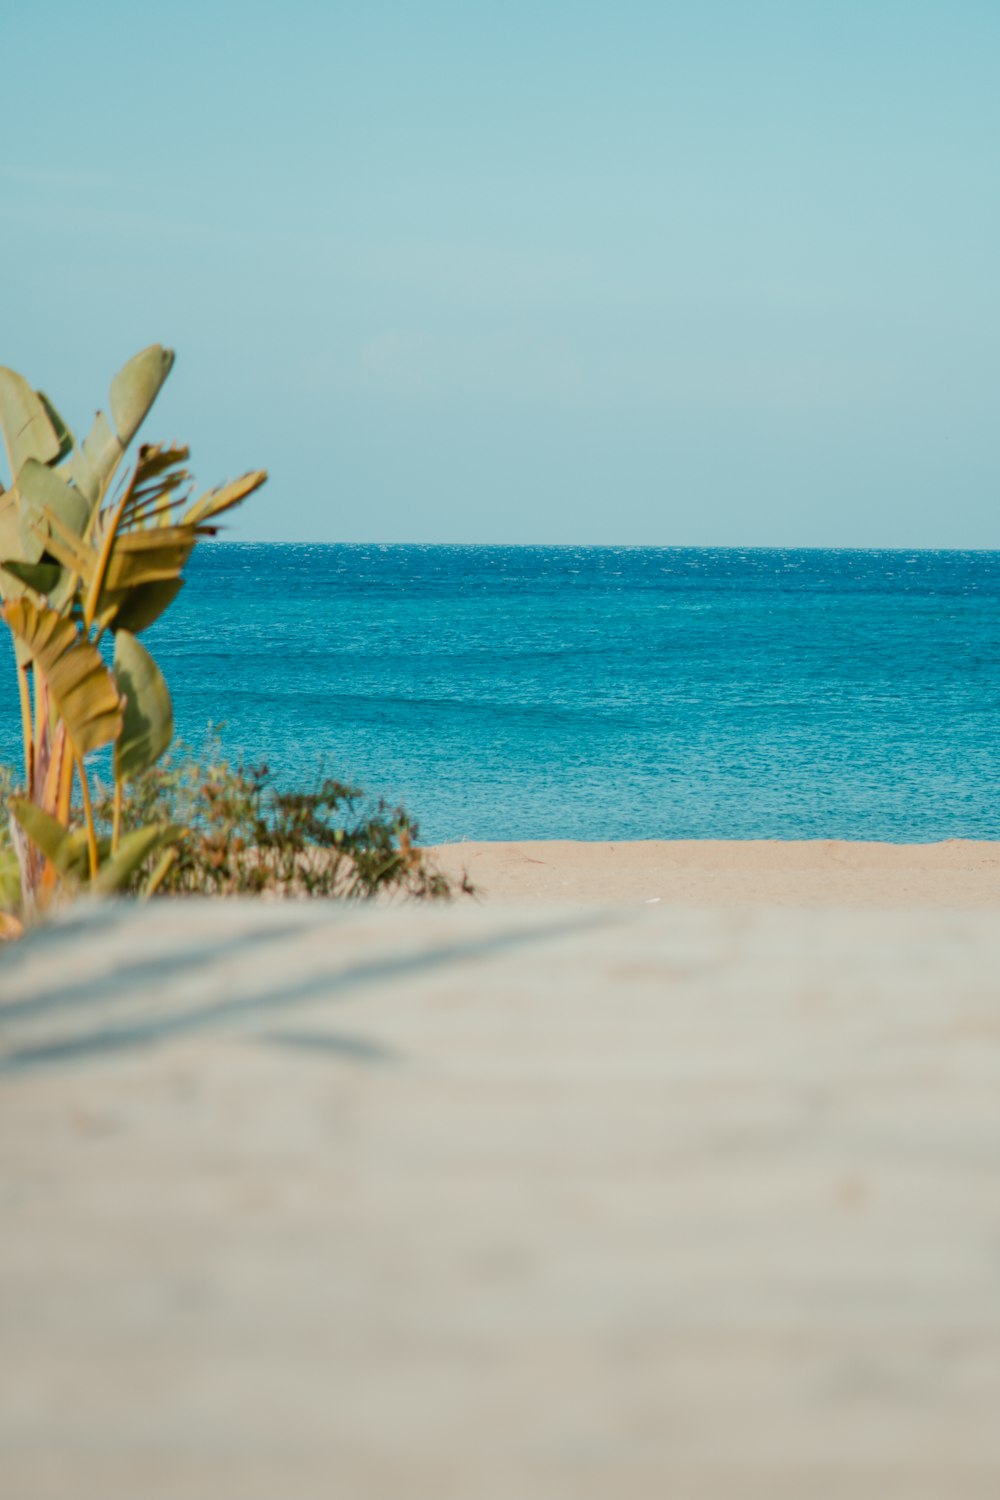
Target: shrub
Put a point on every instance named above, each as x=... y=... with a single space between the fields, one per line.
x=245 y=834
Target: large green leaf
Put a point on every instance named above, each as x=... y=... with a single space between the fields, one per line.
x=92 y=466
x=50 y=583
x=136 y=387
x=42 y=489
x=148 y=725
x=40 y=577
x=42 y=828
x=133 y=581
x=76 y=555
x=66 y=849
x=10 y=526
x=133 y=851
x=62 y=432
x=138 y=558
x=10 y=882
x=140 y=606
x=27 y=429
x=80 y=685
x=133 y=391
x=144 y=556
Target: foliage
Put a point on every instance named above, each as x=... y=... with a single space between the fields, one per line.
x=235 y=831
x=81 y=555
x=10 y=874
x=242 y=834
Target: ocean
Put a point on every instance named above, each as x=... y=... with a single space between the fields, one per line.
x=602 y=692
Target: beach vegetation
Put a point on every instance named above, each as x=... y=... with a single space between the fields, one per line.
x=92 y=554
x=238 y=831
x=89 y=551
x=242 y=832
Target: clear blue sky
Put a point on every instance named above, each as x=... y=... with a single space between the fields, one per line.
x=667 y=273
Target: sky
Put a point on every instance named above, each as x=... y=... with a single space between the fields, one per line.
x=709 y=274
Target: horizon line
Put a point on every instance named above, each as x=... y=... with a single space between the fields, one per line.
x=606 y=546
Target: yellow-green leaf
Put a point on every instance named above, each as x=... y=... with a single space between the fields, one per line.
x=145 y=556
x=63 y=435
x=148 y=724
x=138 y=559
x=92 y=466
x=137 y=609
x=216 y=501
x=42 y=490
x=136 y=387
x=27 y=429
x=133 y=851
x=48 y=581
x=152 y=492
x=10 y=882
x=10 y=527
x=80 y=557
x=64 y=848
x=80 y=685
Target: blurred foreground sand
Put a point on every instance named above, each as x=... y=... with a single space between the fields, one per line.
x=488 y=1202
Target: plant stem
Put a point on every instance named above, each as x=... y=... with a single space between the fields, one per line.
x=29 y=756
x=41 y=730
x=56 y=774
x=103 y=559
x=65 y=787
x=159 y=875
x=88 y=813
x=116 y=825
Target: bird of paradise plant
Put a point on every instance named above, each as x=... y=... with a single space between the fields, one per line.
x=82 y=555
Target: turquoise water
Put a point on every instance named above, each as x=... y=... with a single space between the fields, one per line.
x=607 y=693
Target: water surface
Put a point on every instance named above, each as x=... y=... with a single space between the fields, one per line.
x=605 y=693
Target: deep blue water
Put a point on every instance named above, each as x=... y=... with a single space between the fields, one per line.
x=606 y=693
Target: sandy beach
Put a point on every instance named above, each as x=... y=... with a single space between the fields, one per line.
x=484 y=1202
x=721 y=872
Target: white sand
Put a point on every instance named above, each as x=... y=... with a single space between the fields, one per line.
x=470 y=1202
x=957 y=872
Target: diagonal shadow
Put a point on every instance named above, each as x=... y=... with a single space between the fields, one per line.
x=338 y=987
x=101 y=987
x=91 y=917
x=339 y=1043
